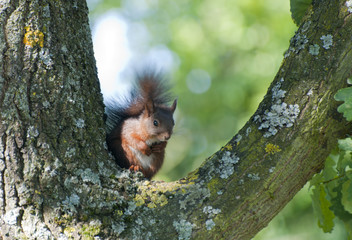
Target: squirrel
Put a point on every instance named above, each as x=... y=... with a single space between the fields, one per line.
x=138 y=132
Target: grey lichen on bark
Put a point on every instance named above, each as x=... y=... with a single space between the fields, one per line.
x=57 y=180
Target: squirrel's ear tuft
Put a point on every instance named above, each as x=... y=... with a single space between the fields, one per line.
x=149 y=108
x=173 y=106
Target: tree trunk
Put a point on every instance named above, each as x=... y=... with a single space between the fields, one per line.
x=57 y=180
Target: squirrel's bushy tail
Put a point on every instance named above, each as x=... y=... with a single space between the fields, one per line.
x=149 y=86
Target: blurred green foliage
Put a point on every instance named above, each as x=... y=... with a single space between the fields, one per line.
x=225 y=54
x=297 y=222
x=238 y=44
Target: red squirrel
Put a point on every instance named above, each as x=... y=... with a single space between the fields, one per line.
x=138 y=132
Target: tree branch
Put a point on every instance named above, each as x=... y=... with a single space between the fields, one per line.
x=57 y=181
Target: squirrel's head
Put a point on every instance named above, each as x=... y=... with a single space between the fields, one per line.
x=158 y=121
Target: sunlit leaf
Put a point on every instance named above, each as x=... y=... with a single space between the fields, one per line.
x=298 y=9
x=345 y=144
x=322 y=209
x=345 y=95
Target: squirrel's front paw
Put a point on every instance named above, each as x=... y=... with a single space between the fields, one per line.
x=147 y=151
x=135 y=168
x=159 y=147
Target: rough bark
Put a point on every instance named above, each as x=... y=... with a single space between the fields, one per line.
x=51 y=111
x=57 y=180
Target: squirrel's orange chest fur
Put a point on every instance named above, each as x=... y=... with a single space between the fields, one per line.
x=134 y=141
x=137 y=145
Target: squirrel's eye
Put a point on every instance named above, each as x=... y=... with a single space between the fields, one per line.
x=156 y=123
